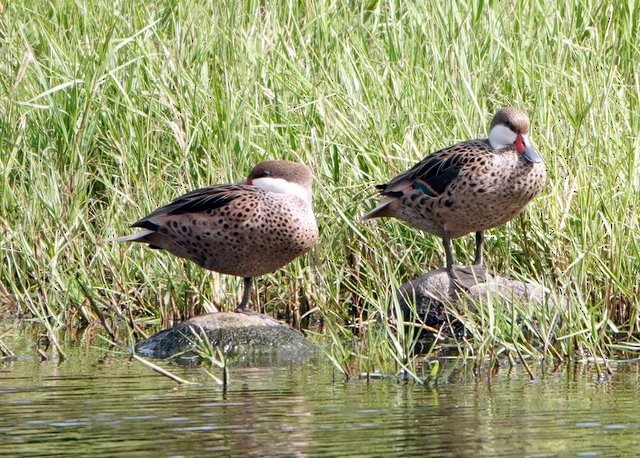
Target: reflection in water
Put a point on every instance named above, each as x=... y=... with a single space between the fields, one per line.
x=87 y=406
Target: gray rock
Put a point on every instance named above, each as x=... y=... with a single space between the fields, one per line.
x=428 y=296
x=247 y=338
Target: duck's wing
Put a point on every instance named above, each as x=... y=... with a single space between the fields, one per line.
x=201 y=201
x=434 y=173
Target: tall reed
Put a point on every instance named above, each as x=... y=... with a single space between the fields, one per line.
x=110 y=109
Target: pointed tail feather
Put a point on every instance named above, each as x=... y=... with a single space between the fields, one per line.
x=138 y=237
x=378 y=212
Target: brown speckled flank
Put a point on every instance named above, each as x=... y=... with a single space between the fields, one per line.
x=246 y=229
x=469 y=187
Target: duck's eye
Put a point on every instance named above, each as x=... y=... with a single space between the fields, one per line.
x=266 y=173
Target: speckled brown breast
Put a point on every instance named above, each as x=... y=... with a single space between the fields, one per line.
x=490 y=189
x=255 y=233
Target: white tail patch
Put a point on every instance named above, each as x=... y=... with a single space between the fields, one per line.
x=132 y=237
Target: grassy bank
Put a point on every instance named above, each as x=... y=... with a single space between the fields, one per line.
x=110 y=109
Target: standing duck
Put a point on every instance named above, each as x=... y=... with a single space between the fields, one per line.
x=246 y=229
x=470 y=186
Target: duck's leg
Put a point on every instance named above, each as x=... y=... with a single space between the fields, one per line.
x=460 y=278
x=449 y=257
x=477 y=269
x=246 y=293
x=465 y=277
x=479 y=260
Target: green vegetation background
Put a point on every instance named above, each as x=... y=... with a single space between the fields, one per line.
x=111 y=108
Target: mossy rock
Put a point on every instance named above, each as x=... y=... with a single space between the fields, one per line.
x=246 y=338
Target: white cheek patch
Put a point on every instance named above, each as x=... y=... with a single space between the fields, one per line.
x=282 y=186
x=501 y=136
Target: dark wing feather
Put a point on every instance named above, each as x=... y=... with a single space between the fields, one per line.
x=439 y=169
x=198 y=201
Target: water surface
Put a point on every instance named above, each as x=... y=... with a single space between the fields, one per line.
x=96 y=404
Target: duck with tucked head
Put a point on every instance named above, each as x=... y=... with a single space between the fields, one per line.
x=245 y=229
